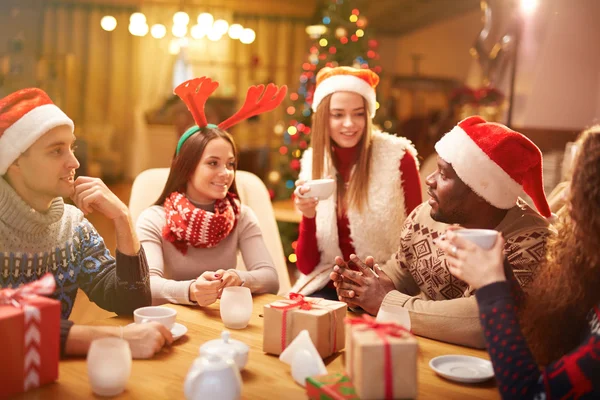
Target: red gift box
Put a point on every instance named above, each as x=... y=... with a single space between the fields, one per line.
x=29 y=337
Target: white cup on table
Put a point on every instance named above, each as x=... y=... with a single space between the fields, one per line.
x=484 y=238
x=162 y=315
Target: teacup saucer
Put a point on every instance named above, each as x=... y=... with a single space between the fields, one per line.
x=177 y=331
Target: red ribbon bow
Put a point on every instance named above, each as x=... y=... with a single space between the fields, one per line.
x=383 y=330
x=298 y=301
x=43 y=286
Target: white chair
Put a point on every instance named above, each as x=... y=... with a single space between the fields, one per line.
x=149 y=184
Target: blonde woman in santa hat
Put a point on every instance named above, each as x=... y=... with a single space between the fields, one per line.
x=482 y=168
x=194 y=231
x=40 y=234
x=559 y=327
x=376 y=174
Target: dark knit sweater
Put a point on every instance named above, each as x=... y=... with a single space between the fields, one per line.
x=63 y=242
x=575 y=375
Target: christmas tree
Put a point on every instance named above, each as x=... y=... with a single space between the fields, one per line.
x=340 y=40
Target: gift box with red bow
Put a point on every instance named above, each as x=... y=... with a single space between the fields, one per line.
x=381 y=359
x=29 y=337
x=334 y=386
x=323 y=319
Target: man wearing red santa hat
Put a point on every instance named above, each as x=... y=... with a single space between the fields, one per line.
x=40 y=234
x=482 y=169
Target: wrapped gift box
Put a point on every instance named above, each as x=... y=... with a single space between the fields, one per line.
x=323 y=319
x=29 y=341
x=381 y=359
x=330 y=387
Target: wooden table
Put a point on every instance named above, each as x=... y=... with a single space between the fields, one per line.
x=286 y=212
x=265 y=377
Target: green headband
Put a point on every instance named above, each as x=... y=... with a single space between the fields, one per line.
x=189 y=133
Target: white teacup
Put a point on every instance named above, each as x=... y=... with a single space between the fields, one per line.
x=484 y=238
x=319 y=188
x=163 y=315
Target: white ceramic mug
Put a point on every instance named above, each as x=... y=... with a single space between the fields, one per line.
x=319 y=188
x=163 y=315
x=484 y=238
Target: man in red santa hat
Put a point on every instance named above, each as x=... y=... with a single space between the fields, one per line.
x=39 y=233
x=482 y=169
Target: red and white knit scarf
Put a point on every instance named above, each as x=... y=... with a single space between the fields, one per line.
x=188 y=225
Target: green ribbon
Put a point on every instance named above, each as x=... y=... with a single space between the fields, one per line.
x=189 y=133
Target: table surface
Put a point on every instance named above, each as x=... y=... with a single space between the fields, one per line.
x=265 y=377
x=285 y=211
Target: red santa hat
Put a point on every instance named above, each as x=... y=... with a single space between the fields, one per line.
x=25 y=116
x=346 y=79
x=496 y=162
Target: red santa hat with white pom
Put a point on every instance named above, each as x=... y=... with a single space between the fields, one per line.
x=496 y=162
x=25 y=116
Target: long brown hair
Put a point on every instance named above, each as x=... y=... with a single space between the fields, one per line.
x=568 y=286
x=184 y=164
x=357 y=193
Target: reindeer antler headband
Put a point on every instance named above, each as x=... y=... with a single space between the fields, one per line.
x=195 y=92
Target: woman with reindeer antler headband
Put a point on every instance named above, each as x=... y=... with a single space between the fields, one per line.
x=193 y=232
x=377 y=176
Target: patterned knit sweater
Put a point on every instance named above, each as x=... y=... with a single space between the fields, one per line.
x=63 y=242
x=575 y=375
x=441 y=306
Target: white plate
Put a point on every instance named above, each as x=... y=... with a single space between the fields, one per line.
x=177 y=331
x=465 y=369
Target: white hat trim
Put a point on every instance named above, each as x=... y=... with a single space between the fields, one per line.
x=26 y=130
x=345 y=83
x=477 y=170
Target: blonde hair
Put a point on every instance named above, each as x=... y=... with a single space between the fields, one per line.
x=357 y=194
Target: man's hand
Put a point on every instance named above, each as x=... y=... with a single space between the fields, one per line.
x=91 y=194
x=145 y=340
x=364 y=288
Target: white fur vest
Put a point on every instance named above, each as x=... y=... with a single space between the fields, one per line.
x=375 y=231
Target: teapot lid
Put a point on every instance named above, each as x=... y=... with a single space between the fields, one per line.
x=224 y=345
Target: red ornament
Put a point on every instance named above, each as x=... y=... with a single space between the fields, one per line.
x=354 y=38
x=303 y=145
x=293 y=96
x=373 y=43
x=283 y=150
x=301 y=127
x=332 y=50
x=355 y=12
x=307 y=130
x=295 y=164
x=322 y=56
x=344 y=39
x=306 y=66
x=371 y=54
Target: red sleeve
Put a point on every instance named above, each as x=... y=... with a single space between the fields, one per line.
x=411 y=182
x=307 y=249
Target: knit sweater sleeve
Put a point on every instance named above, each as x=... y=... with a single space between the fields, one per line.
x=120 y=285
x=260 y=275
x=411 y=182
x=307 y=248
x=575 y=375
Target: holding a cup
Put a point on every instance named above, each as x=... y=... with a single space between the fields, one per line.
x=162 y=315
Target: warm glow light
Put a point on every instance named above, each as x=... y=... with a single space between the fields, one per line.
x=292 y=130
x=198 y=32
x=314 y=31
x=221 y=26
x=138 y=30
x=174 y=47
x=137 y=19
x=235 y=31
x=529 y=6
x=323 y=42
x=377 y=105
x=179 y=31
x=108 y=23
x=214 y=35
x=205 y=19
x=353 y=18
x=247 y=36
x=292 y=258
x=181 y=18
x=158 y=31
x=360 y=33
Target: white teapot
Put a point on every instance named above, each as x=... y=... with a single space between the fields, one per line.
x=214 y=377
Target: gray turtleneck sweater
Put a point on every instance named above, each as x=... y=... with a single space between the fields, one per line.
x=63 y=242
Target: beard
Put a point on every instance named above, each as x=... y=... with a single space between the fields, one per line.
x=554 y=316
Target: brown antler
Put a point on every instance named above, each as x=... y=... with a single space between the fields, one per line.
x=256 y=104
x=194 y=94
